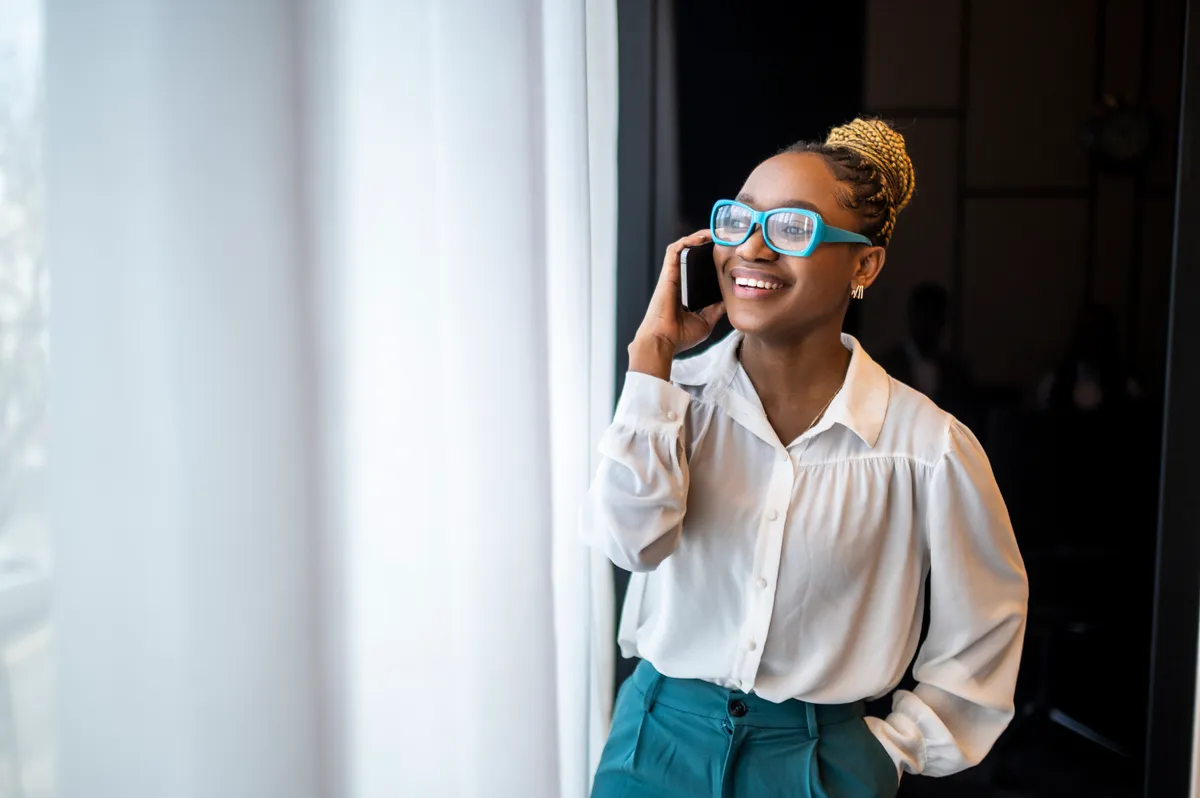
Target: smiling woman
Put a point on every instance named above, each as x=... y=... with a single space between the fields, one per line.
x=782 y=501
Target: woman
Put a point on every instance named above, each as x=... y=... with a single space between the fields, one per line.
x=781 y=501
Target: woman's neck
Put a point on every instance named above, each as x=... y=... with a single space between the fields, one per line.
x=795 y=379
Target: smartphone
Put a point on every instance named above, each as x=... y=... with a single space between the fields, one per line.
x=699 y=284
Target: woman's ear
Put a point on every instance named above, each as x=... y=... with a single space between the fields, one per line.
x=870 y=263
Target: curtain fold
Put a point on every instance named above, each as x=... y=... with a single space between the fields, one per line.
x=602 y=79
x=579 y=67
x=446 y=438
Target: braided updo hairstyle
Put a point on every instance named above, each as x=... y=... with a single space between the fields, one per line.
x=869 y=160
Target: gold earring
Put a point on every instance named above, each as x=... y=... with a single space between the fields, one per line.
x=857 y=291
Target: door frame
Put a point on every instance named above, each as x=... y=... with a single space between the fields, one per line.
x=1170 y=734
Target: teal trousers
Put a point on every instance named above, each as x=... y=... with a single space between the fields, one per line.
x=685 y=738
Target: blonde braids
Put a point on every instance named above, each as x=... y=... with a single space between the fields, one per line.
x=870 y=158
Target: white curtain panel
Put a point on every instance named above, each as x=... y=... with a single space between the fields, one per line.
x=180 y=411
x=331 y=348
x=580 y=74
x=473 y=344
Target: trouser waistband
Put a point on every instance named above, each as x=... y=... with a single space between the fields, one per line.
x=708 y=700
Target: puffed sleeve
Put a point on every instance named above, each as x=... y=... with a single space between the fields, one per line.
x=967 y=668
x=634 y=508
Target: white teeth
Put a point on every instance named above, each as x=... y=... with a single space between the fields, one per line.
x=761 y=284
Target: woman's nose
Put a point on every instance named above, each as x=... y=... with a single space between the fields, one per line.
x=755 y=247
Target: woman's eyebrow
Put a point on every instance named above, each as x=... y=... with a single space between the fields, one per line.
x=746 y=199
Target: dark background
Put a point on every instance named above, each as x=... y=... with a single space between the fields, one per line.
x=1024 y=225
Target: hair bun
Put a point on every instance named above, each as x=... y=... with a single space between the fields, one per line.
x=877 y=142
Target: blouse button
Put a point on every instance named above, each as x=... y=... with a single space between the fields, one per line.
x=762 y=583
x=772 y=515
x=670 y=415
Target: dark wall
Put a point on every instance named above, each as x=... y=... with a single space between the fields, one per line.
x=993 y=97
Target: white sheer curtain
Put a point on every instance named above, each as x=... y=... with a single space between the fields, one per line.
x=579 y=64
x=26 y=720
x=181 y=447
x=332 y=344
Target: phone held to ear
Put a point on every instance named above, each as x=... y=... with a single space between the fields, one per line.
x=699 y=285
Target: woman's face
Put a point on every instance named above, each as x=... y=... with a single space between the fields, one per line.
x=813 y=290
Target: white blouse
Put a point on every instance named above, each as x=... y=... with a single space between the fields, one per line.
x=799 y=571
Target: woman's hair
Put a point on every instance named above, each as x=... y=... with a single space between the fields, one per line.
x=868 y=157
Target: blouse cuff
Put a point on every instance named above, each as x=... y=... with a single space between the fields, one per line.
x=651 y=404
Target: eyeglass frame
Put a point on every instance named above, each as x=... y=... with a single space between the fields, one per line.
x=822 y=233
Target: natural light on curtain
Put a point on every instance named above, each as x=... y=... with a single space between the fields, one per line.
x=26 y=739
x=333 y=343
x=502 y=145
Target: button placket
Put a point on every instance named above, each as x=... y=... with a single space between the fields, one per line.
x=766 y=566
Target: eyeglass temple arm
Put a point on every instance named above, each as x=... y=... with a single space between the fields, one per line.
x=839 y=236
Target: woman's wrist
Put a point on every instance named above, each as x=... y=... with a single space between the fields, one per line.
x=651 y=355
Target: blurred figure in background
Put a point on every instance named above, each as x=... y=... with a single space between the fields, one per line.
x=1092 y=375
x=921 y=362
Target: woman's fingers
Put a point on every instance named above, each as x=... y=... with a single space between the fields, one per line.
x=666 y=320
x=669 y=276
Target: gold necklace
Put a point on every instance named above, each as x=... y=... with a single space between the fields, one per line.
x=817 y=417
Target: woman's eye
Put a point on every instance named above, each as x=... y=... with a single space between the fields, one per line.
x=793 y=230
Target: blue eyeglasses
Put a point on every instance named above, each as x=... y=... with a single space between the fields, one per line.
x=788 y=231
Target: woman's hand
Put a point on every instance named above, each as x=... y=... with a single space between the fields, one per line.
x=668 y=329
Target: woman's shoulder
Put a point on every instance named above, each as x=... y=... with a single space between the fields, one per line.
x=915 y=427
